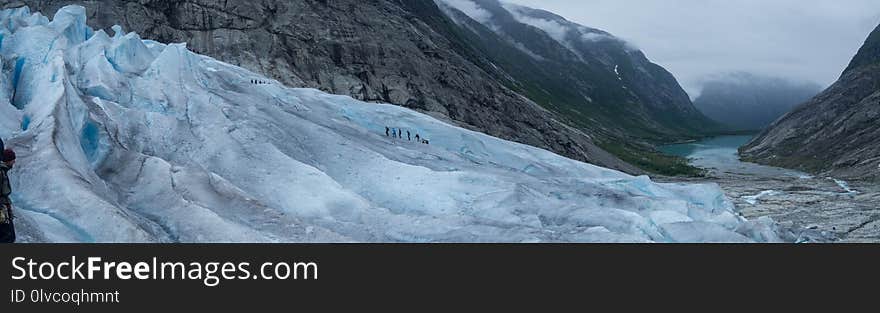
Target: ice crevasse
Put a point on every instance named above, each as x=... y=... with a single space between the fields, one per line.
x=128 y=140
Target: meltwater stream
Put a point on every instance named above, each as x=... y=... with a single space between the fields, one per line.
x=815 y=207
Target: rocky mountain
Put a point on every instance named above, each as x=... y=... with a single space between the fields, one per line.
x=837 y=132
x=745 y=101
x=595 y=80
x=564 y=91
x=592 y=76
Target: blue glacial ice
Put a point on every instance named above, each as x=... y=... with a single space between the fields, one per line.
x=129 y=140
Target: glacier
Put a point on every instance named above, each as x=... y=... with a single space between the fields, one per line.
x=122 y=139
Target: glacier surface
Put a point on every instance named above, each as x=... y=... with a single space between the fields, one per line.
x=128 y=140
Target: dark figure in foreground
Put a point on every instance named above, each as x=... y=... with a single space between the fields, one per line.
x=407 y=136
x=387 y=131
x=417 y=138
x=7 y=229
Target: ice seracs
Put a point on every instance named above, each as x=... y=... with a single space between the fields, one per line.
x=131 y=140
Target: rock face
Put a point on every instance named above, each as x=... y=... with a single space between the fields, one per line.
x=837 y=132
x=401 y=52
x=744 y=101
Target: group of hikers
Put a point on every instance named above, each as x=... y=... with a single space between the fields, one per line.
x=7 y=229
x=398 y=133
x=259 y=82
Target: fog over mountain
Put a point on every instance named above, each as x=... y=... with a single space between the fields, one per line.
x=836 y=132
x=745 y=101
x=795 y=39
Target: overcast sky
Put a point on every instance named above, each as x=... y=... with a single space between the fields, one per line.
x=809 y=40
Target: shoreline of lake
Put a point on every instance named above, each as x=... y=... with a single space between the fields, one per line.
x=817 y=209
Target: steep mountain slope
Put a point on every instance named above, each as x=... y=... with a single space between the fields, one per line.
x=837 y=132
x=123 y=139
x=744 y=101
x=371 y=50
x=592 y=79
x=588 y=75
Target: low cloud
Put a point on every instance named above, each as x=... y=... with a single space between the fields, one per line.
x=471 y=9
x=801 y=40
x=553 y=28
x=596 y=37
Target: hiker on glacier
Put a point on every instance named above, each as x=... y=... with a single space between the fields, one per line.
x=7 y=229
